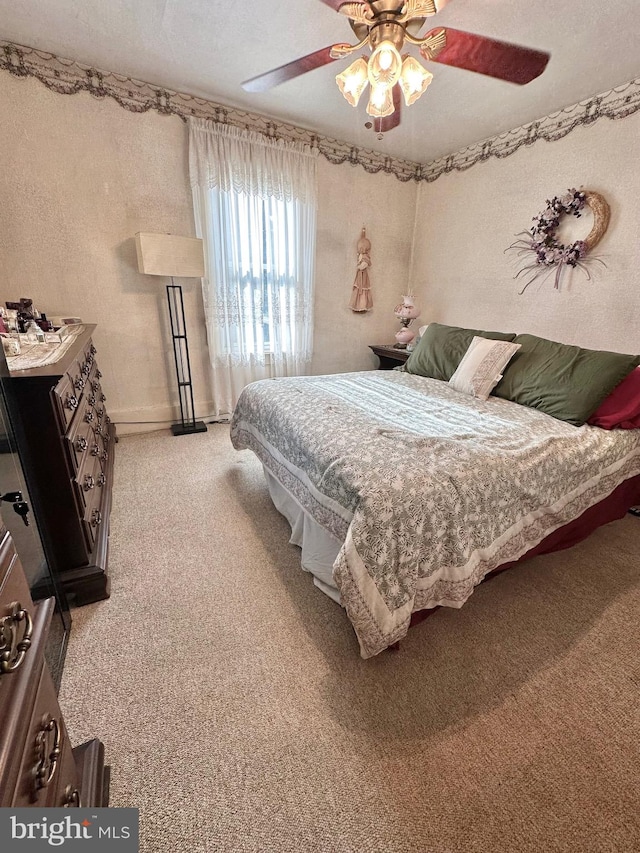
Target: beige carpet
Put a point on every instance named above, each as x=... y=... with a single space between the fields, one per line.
x=238 y=716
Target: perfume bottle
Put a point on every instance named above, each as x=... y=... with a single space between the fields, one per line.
x=34 y=333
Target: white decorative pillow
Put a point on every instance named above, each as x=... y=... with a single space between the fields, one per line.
x=481 y=366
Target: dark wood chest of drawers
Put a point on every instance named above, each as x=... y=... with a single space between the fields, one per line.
x=38 y=766
x=67 y=441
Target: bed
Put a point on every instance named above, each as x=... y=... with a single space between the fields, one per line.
x=405 y=493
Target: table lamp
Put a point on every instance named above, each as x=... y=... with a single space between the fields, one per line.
x=406 y=312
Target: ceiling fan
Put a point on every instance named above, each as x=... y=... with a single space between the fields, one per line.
x=385 y=27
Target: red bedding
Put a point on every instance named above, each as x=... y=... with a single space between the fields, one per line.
x=613 y=507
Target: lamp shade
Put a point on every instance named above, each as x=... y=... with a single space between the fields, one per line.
x=353 y=81
x=384 y=66
x=380 y=102
x=170 y=255
x=413 y=80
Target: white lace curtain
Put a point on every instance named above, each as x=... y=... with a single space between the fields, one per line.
x=255 y=208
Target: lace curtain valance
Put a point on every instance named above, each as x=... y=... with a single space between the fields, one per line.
x=228 y=158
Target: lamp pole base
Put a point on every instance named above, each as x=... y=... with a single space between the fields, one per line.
x=188 y=428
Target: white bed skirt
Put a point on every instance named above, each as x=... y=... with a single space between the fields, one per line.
x=319 y=548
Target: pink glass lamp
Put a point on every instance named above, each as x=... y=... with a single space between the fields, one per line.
x=406 y=312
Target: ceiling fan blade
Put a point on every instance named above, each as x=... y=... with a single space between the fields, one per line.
x=384 y=125
x=272 y=78
x=488 y=56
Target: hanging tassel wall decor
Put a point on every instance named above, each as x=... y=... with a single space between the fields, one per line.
x=361 y=299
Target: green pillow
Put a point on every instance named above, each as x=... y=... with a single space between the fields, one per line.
x=566 y=382
x=439 y=351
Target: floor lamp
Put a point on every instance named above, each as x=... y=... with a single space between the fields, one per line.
x=169 y=255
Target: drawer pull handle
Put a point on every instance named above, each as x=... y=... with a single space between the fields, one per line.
x=71 y=797
x=102 y=479
x=8 y=629
x=81 y=444
x=93 y=350
x=85 y=369
x=71 y=402
x=89 y=482
x=96 y=517
x=101 y=412
x=95 y=385
x=103 y=398
x=92 y=399
x=94 y=449
x=79 y=384
x=47 y=764
x=104 y=455
x=98 y=374
x=88 y=416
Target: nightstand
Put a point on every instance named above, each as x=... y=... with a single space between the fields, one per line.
x=389 y=356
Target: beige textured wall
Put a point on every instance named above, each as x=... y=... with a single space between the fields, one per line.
x=79 y=176
x=467 y=219
x=349 y=198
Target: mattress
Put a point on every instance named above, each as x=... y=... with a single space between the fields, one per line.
x=427 y=489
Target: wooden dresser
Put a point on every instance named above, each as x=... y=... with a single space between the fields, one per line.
x=66 y=441
x=38 y=766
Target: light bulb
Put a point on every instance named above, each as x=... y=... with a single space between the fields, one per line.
x=386 y=58
x=380 y=102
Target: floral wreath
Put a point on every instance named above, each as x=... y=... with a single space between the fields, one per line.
x=548 y=251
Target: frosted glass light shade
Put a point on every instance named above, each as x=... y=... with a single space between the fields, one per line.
x=384 y=66
x=169 y=254
x=353 y=81
x=414 y=79
x=407 y=309
x=380 y=102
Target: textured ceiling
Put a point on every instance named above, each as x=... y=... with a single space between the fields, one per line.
x=208 y=47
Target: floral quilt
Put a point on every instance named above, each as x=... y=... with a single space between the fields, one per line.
x=428 y=488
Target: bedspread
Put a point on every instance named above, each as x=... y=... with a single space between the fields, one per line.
x=429 y=489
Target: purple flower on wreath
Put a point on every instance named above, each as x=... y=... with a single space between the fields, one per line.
x=541 y=239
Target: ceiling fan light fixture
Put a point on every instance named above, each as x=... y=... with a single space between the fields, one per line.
x=384 y=66
x=414 y=79
x=353 y=81
x=380 y=102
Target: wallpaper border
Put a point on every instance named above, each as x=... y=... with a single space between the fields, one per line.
x=617 y=103
x=68 y=77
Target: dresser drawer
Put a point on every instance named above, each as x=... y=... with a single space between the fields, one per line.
x=66 y=791
x=95 y=516
x=96 y=387
x=86 y=438
x=80 y=368
x=13 y=584
x=88 y=414
x=78 y=441
x=66 y=401
x=16 y=620
x=89 y=481
x=18 y=691
x=41 y=758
